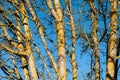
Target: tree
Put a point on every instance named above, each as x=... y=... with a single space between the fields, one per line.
x=59 y=39
x=111 y=60
x=94 y=19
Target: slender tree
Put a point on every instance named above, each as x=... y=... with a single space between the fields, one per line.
x=73 y=61
x=94 y=19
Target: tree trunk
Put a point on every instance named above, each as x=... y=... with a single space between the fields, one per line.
x=94 y=19
x=28 y=37
x=61 y=42
x=73 y=61
x=40 y=30
x=111 y=59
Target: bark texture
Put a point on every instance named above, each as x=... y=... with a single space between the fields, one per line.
x=61 y=42
x=73 y=61
x=28 y=38
x=94 y=19
x=111 y=59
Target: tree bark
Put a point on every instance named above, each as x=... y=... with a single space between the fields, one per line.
x=28 y=37
x=73 y=61
x=111 y=59
x=94 y=19
x=61 y=42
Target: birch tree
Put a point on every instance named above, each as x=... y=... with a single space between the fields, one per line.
x=111 y=59
x=59 y=39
